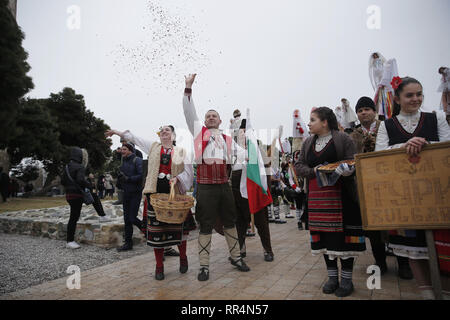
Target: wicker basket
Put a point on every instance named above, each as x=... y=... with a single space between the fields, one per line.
x=171 y=208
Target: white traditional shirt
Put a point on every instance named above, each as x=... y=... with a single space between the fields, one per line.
x=372 y=129
x=409 y=122
x=216 y=149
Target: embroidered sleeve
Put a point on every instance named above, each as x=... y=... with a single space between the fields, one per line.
x=190 y=115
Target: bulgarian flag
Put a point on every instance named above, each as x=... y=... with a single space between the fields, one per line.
x=253 y=180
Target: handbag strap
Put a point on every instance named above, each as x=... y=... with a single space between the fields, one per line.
x=68 y=174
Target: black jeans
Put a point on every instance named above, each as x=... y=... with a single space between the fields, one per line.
x=131 y=203
x=97 y=204
x=75 y=211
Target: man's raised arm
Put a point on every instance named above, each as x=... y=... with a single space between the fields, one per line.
x=188 y=105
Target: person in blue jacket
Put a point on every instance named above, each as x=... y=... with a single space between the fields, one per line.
x=130 y=177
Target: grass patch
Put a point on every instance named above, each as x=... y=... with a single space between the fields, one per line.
x=20 y=204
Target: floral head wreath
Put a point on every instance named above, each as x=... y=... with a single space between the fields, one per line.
x=160 y=129
x=396 y=82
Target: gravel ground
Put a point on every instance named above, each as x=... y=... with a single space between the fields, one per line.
x=28 y=261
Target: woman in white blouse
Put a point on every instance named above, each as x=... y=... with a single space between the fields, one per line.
x=412 y=129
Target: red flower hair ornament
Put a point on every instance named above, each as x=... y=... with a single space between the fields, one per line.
x=395 y=83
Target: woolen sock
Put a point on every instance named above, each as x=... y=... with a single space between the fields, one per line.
x=276 y=212
x=182 y=250
x=346 y=278
x=332 y=275
x=232 y=241
x=159 y=255
x=204 y=247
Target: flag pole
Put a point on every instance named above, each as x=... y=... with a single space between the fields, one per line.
x=252 y=216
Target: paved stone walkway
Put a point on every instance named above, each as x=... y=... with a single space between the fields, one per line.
x=294 y=275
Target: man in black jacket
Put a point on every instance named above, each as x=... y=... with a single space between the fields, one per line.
x=130 y=177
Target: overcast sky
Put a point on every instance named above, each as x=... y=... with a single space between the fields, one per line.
x=128 y=58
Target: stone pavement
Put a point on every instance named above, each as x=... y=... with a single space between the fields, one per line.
x=294 y=275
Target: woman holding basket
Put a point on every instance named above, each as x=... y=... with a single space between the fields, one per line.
x=167 y=164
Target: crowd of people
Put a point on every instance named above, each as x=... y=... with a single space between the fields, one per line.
x=328 y=208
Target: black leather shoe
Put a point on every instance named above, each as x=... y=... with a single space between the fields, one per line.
x=125 y=247
x=159 y=273
x=268 y=256
x=404 y=272
x=171 y=252
x=300 y=226
x=239 y=264
x=280 y=221
x=203 y=274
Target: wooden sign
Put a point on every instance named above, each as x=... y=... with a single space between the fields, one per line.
x=400 y=192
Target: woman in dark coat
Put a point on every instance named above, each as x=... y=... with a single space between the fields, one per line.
x=77 y=171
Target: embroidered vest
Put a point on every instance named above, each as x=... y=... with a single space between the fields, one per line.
x=426 y=128
x=211 y=173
